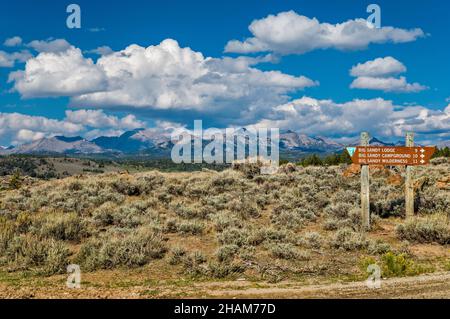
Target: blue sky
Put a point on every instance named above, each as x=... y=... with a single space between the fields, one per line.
x=311 y=93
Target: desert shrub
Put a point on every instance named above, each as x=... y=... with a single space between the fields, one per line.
x=386 y=207
x=23 y=222
x=260 y=235
x=320 y=200
x=129 y=187
x=60 y=227
x=339 y=210
x=439 y=161
x=331 y=224
x=104 y=215
x=312 y=240
x=247 y=253
x=7 y=230
x=426 y=230
x=287 y=218
x=347 y=196
x=262 y=200
x=225 y=220
x=175 y=189
x=56 y=259
x=46 y=256
x=75 y=186
x=163 y=196
x=193 y=264
x=287 y=168
x=129 y=215
x=431 y=201
x=244 y=208
x=224 y=180
x=198 y=257
x=227 y=252
x=250 y=170
x=223 y=270
x=233 y=236
x=196 y=188
x=218 y=202
x=353 y=222
x=189 y=212
x=347 y=239
x=191 y=227
x=112 y=250
x=177 y=255
x=378 y=247
x=286 y=251
x=171 y=226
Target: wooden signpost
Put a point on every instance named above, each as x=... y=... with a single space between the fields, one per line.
x=408 y=156
x=392 y=155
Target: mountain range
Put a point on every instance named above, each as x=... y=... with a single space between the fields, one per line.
x=158 y=142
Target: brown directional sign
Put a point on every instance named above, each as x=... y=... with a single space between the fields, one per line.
x=391 y=155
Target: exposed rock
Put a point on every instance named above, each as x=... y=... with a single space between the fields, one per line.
x=379 y=171
x=352 y=170
x=395 y=179
x=443 y=183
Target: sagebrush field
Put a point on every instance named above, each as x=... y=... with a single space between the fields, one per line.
x=208 y=233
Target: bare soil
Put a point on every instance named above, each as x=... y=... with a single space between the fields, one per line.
x=436 y=285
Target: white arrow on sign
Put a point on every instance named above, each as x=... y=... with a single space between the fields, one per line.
x=351 y=151
x=422 y=156
x=422 y=150
x=422 y=161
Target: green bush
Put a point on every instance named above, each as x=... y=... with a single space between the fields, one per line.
x=398 y=265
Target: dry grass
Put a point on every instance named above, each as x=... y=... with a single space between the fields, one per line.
x=301 y=221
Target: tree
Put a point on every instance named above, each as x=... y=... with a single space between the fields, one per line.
x=16 y=180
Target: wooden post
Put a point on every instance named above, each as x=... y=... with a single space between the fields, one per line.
x=409 y=185
x=365 y=208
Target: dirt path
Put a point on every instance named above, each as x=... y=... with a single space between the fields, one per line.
x=424 y=286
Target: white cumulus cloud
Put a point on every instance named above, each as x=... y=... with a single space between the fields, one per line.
x=8 y=60
x=65 y=73
x=292 y=33
x=378 y=116
x=378 y=67
x=102 y=50
x=20 y=128
x=13 y=42
x=160 y=77
x=50 y=45
x=99 y=119
x=389 y=84
x=379 y=74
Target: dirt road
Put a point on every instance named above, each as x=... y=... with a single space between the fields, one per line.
x=425 y=286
